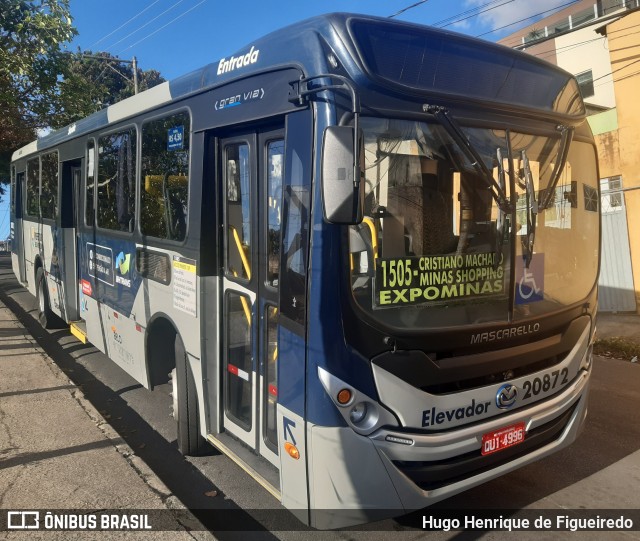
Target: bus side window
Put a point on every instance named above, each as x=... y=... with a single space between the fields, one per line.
x=295 y=218
x=116 y=181
x=13 y=189
x=238 y=213
x=49 y=189
x=33 y=187
x=275 y=162
x=164 y=195
x=90 y=211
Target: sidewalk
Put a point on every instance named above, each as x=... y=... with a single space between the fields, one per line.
x=57 y=452
x=626 y=325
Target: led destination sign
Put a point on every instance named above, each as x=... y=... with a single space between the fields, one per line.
x=437 y=278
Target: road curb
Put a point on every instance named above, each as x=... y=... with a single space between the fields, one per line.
x=154 y=484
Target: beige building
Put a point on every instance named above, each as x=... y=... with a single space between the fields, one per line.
x=599 y=42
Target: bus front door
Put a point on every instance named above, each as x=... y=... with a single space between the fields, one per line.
x=17 y=239
x=67 y=241
x=251 y=173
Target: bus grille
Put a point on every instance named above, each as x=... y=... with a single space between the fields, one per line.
x=437 y=474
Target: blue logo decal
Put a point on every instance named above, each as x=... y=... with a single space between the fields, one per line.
x=122 y=264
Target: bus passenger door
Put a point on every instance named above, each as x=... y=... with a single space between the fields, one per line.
x=17 y=239
x=67 y=248
x=251 y=172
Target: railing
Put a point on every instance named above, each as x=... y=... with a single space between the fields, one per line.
x=577 y=20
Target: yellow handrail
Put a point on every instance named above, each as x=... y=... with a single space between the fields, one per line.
x=245 y=305
x=374 y=237
x=247 y=270
x=374 y=241
x=243 y=256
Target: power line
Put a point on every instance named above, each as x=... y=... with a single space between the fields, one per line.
x=560 y=50
x=470 y=13
x=146 y=24
x=125 y=23
x=595 y=20
x=550 y=52
x=634 y=74
x=554 y=52
x=617 y=70
x=408 y=8
x=478 y=10
x=527 y=18
x=452 y=19
x=164 y=26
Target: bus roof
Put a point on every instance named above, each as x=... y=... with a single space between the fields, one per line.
x=374 y=52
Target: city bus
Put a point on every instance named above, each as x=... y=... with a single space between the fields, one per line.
x=362 y=253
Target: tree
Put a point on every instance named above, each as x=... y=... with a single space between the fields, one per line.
x=42 y=86
x=31 y=35
x=92 y=81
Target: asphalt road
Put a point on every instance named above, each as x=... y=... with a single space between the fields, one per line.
x=610 y=439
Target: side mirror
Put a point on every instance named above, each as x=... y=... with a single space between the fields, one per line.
x=342 y=193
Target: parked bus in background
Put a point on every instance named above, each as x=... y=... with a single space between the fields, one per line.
x=364 y=252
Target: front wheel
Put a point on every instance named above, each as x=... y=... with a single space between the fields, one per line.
x=185 y=405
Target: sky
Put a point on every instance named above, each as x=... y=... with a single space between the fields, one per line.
x=178 y=36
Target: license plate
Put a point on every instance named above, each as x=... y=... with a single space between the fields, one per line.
x=502 y=438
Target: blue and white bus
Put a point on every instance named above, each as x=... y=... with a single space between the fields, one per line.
x=364 y=252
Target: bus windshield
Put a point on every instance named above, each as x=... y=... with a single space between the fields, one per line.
x=436 y=247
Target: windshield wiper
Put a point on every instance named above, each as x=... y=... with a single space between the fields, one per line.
x=501 y=218
x=444 y=118
x=561 y=159
x=532 y=209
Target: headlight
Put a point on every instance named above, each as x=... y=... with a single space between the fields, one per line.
x=358 y=413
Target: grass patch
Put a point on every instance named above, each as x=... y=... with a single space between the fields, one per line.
x=617 y=347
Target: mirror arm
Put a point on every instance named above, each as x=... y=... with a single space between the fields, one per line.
x=302 y=91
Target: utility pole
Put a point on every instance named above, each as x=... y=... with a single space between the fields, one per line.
x=134 y=65
x=133 y=62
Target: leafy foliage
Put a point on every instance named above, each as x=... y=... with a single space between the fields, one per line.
x=31 y=35
x=43 y=86
x=92 y=81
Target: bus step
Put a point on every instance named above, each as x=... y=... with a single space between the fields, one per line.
x=79 y=330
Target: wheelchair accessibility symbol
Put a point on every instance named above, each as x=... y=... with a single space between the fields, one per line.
x=530 y=282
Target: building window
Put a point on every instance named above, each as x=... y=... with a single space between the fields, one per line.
x=585 y=82
x=611 y=189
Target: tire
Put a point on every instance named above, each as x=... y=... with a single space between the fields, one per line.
x=45 y=315
x=185 y=405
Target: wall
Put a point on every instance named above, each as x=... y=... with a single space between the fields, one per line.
x=585 y=49
x=624 y=49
